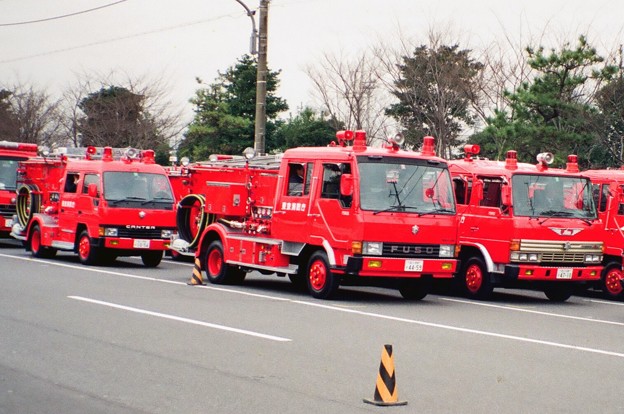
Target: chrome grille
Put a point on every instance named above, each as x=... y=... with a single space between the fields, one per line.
x=140 y=233
x=410 y=250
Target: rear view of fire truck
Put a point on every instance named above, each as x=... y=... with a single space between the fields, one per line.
x=10 y=154
x=324 y=216
x=525 y=226
x=99 y=203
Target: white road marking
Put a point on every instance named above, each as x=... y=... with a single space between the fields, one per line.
x=346 y=310
x=180 y=319
x=465 y=330
x=516 y=309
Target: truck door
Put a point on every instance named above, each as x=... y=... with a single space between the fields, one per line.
x=293 y=202
x=331 y=212
x=68 y=213
x=486 y=220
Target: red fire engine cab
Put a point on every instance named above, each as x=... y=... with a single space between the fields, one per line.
x=324 y=216
x=608 y=190
x=10 y=154
x=98 y=203
x=524 y=225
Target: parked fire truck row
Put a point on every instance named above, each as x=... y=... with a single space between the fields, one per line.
x=387 y=217
x=342 y=214
x=100 y=204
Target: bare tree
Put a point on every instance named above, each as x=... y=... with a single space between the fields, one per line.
x=120 y=111
x=34 y=115
x=349 y=91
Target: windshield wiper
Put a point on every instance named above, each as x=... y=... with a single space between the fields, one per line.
x=158 y=200
x=395 y=208
x=436 y=211
x=131 y=198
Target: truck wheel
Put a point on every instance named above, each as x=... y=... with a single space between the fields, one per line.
x=36 y=248
x=558 y=293
x=86 y=253
x=611 y=281
x=219 y=272
x=322 y=283
x=476 y=279
x=151 y=258
x=415 y=289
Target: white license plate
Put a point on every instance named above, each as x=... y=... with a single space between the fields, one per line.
x=8 y=222
x=564 y=273
x=413 y=265
x=141 y=244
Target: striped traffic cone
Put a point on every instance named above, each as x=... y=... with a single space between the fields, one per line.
x=385 y=390
x=196 y=279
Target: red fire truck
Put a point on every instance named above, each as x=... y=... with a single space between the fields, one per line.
x=10 y=154
x=98 y=203
x=608 y=188
x=524 y=225
x=324 y=216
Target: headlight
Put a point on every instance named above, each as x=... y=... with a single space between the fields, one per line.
x=593 y=258
x=372 y=248
x=110 y=232
x=447 y=250
x=533 y=257
x=515 y=256
x=166 y=234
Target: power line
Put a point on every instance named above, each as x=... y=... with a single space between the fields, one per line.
x=101 y=42
x=62 y=16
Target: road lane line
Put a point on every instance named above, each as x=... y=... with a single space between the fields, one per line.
x=605 y=302
x=464 y=330
x=516 y=309
x=83 y=268
x=342 y=309
x=180 y=319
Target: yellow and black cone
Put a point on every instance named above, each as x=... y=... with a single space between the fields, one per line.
x=386 y=390
x=197 y=278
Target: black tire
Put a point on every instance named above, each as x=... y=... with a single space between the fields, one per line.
x=36 y=249
x=151 y=258
x=217 y=271
x=558 y=292
x=476 y=281
x=87 y=253
x=415 y=289
x=298 y=280
x=611 y=281
x=322 y=282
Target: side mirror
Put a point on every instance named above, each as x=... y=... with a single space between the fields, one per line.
x=346 y=185
x=477 y=191
x=506 y=195
x=92 y=190
x=429 y=192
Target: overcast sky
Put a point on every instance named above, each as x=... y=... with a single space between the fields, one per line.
x=180 y=40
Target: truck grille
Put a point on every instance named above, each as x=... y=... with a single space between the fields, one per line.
x=561 y=252
x=140 y=233
x=410 y=250
x=7 y=210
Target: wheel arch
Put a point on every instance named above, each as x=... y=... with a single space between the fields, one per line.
x=476 y=250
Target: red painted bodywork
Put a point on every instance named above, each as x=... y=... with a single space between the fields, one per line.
x=491 y=229
x=10 y=154
x=264 y=228
x=62 y=214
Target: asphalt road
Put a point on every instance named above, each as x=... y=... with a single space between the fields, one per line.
x=126 y=339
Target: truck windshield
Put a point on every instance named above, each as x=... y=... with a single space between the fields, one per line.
x=552 y=196
x=8 y=174
x=136 y=187
x=404 y=184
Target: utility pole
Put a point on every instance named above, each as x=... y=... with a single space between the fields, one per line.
x=261 y=79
